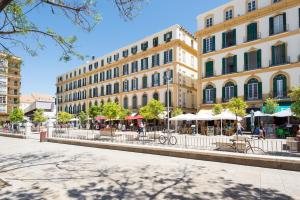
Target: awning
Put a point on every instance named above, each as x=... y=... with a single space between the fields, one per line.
x=134 y=117
x=98 y=118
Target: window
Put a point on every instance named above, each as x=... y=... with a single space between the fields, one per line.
x=229 y=91
x=253 y=90
x=279 y=86
x=144 y=63
x=95 y=66
x=156 y=96
x=209 y=69
x=192 y=61
x=116 y=72
x=168 y=36
x=125 y=86
x=134 y=84
x=134 y=66
x=125 y=102
x=155 y=60
x=252 y=32
x=95 y=78
x=168 y=56
x=108 y=74
x=108 y=89
x=279 y=55
x=144 y=99
x=229 y=38
x=209 y=22
x=90 y=68
x=183 y=57
x=251 y=6
x=134 y=102
x=277 y=24
x=109 y=59
x=145 y=82
x=102 y=63
x=155 y=42
x=134 y=50
x=116 y=57
x=209 y=95
x=276 y=1
x=102 y=90
x=116 y=88
x=144 y=46
x=2 y=99
x=125 y=69
x=228 y=14
x=168 y=75
x=209 y=44
x=252 y=60
x=155 y=79
x=125 y=53
x=229 y=65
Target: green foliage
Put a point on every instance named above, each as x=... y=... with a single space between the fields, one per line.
x=64 y=117
x=295 y=95
x=83 y=118
x=16 y=115
x=94 y=111
x=217 y=109
x=38 y=116
x=152 y=110
x=237 y=106
x=176 y=112
x=124 y=113
x=111 y=110
x=271 y=106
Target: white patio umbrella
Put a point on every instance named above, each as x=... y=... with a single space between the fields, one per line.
x=284 y=113
x=258 y=114
x=74 y=119
x=226 y=115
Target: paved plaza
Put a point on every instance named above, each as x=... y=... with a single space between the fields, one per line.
x=36 y=170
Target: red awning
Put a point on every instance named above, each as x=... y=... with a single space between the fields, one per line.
x=134 y=117
x=100 y=118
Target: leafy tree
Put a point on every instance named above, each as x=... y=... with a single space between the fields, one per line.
x=39 y=117
x=94 y=111
x=16 y=115
x=270 y=106
x=152 y=110
x=111 y=111
x=83 y=118
x=64 y=117
x=176 y=112
x=17 y=25
x=217 y=109
x=124 y=113
x=237 y=106
x=295 y=95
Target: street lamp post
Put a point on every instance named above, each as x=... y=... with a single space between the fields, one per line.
x=168 y=101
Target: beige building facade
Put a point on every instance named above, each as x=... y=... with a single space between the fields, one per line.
x=135 y=74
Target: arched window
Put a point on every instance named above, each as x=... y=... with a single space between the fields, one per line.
x=229 y=91
x=74 y=109
x=66 y=108
x=253 y=90
x=79 y=108
x=125 y=102
x=156 y=96
x=144 y=99
x=279 y=86
x=209 y=95
x=170 y=98
x=134 y=102
x=83 y=107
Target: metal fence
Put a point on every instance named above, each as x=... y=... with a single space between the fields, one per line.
x=277 y=147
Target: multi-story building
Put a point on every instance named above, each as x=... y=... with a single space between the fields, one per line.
x=249 y=49
x=135 y=74
x=10 y=83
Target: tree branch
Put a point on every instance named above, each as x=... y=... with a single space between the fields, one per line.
x=3 y=4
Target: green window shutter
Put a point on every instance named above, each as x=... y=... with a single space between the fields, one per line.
x=234 y=36
x=299 y=17
x=137 y=84
x=284 y=22
x=235 y=92
x=254 y=31
x=284 y=51
x=158 y=78
x=153 y=60
x=152 y=80
x=249 y=32
x=259 y=58
x=259 y=90
x=275 y=87
x=165 y=57
x=273 y=55
x=246 y=61
x=165 y=78
x=246 y=92
x=223 y=40
x=284 y=86
x=214 y=94
x=209 y=69
x=235 y=63
x=271 y=25
x=213 y=43
x=158 y=60
x=223 y=94
x=223 y=65
x=204 y=98
x=171 y=55
x=204 y=46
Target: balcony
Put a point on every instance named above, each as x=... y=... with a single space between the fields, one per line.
x=284 y=29
x=278 y=61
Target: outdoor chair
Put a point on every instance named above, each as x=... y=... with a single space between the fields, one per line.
x=280 y=133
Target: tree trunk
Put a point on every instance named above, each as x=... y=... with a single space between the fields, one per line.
x=4 y=3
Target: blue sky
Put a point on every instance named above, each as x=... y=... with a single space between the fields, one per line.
x=39 y=73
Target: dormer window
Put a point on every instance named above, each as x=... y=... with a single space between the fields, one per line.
x=229 y=14
x=125 y=53
x=155 y=42
x=116 y=57
x=168 y=36
x=251 y=6
x=109 y=59
x=96 y=65
x=102 y=63
x=209 y=22
x=90 y=67
x=144 y=46
x=134 y=50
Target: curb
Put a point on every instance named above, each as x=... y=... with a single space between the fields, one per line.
x=274 y=162
x=12 y=135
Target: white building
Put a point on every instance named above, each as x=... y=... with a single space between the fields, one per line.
x=249 y=49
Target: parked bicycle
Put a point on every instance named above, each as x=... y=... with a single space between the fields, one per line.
x=249 y=149
x=169 y=139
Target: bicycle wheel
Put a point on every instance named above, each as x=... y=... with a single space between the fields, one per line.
x=162 y=139
x=173 y=140
x=255 y=150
